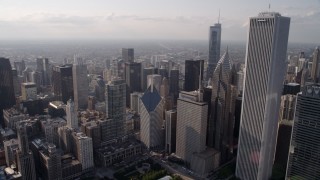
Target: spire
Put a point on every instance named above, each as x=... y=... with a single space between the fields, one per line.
x=219 y=17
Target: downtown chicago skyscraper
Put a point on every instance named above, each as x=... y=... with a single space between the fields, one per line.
x=214 y=48
x=264 y=75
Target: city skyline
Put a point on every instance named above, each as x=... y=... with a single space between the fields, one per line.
x=188 y=20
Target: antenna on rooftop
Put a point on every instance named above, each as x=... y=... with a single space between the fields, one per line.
x=219 y=17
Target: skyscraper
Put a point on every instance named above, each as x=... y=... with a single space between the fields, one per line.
x=133 y=79
x=72 y=117
x=62 y=82
x=174 y=84
x=264 y=76
x=151 y=131
x=43 y=68
x=191 y=132
x=24 y=156
x=83 y=150
x=315 y=73
x=192 y=71
x=220 y=125
x=303 y=162
x=146 y=72
x=80 y=83
x=214 y=48
x=116 y=107
x=6 y=86
x=128 y=54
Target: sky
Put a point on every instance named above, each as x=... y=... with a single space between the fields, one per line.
x=149 y=19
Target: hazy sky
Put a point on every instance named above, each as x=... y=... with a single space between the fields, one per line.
x=149 y=19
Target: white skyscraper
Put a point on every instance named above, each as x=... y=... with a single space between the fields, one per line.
x=264 y=76
x=72 y=118
x=80 y=83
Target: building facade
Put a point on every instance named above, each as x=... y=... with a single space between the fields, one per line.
x=264 y=76
x=214 y=48
x=80 y=83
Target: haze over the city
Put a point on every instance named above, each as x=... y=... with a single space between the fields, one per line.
x=143 y=19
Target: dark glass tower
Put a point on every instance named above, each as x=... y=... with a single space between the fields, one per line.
x=63 y=82
x=128 y=54
x=7 y=98
x=192 y=71
x=214 y=48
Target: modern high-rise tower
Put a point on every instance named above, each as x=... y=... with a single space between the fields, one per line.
x=264 y=76
x=72 y=117
x=214 y=48
x=80 y=83
x=315 y=73
x=128 y=54
x=43 y=67
x=303 y=161
x=192 y=72
x=7 y=96
x=116 y=107
x=62 y=82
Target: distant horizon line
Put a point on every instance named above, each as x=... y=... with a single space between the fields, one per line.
x=129 y=40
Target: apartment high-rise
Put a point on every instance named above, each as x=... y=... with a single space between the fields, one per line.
x=214 y=48
x=128 y=54
x=171 y=131
x=264 y=76
x=303 y=162
x=62 y=82
x=80 y=83
x=192 y=71
x=315 y=72
x=116 y=107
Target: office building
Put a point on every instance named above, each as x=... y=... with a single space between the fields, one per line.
x=192 y=71
x=174 y=84
x=264 y=76
x=146 y=72
x=72 y=115
x=10 y=148
x=291 y=88
x=303 y=162
x=214 y=48
x=28 y=91
x=240 y=81
x=19 y=66
x=51 y=162
x=171 y=131
x=16 y=82
x=43 y=68
x=62 y=82
x=192 y=115
x=6 y=86
x=25 y=161
x=50 y=128
x=154 y=80
x=116 y=107
x=315 y=72
x=83 y=151
x=221 y=122
x=128 y=55
x=151 y=122
x=80 y=83
x=132 y=78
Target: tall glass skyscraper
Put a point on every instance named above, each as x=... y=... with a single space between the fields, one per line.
x=264 y=76
x=214 y=48
x=304 y=155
